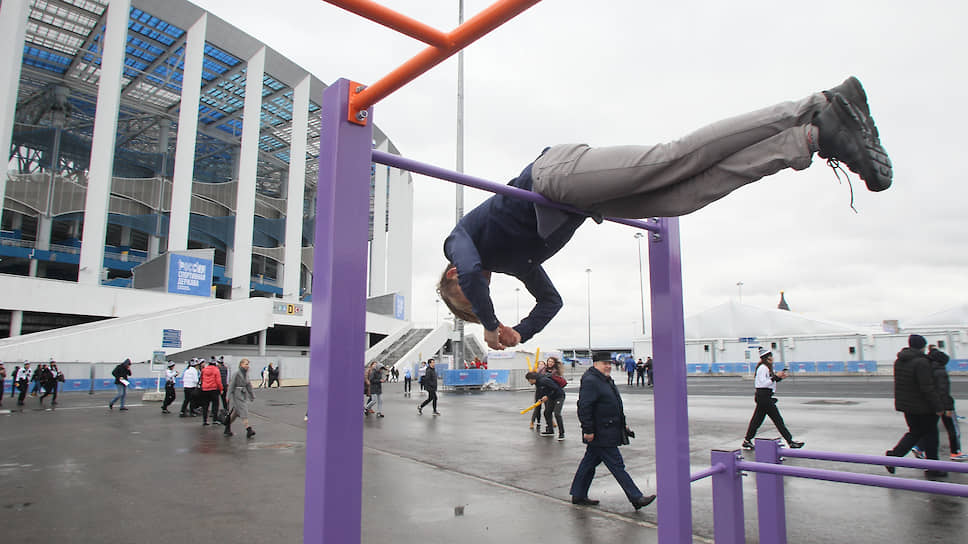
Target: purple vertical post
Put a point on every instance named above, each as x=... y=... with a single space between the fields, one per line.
x=671 y=407
x=334 y=436
x=770 y=505
x=728 y=518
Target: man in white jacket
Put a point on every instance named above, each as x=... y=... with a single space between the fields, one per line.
x=189 y=383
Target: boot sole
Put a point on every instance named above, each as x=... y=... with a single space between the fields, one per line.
x=877 y=167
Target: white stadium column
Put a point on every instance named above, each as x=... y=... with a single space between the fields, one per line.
x=378 y=247
x=102 y=143
x=400 y=239
x=13 y=28
x=181 y=190
x=248 y=162
x=295 y=188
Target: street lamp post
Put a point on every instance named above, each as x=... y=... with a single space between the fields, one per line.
x=739 y=284
x=588 y=276
x=638 y=238
x=517 y=303
x=437 y=313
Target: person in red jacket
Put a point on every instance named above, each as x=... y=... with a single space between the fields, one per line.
x=211 y=390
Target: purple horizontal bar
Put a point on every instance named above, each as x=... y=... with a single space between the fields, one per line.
x=931 y=464
x=925 y=486
x=715 y=469
x=411 y=165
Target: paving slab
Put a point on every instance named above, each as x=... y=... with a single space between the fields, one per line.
x=474 y=474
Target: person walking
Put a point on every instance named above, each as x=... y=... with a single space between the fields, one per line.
x=189 y=389
x=376 y=387
x=170 y=376
x=430 y=384
x=223 y=372
x=274 y=376
x=916 y=396
x=648 y=371
x=630 y=369
x=604 y=429
x=765 y=384
x=639 y=373
x=407 y=382
x=939 y=362
x=57 y=378
x=211 y=390
x=13 y=381
x=23 y=378
x=121 y=374
x=240 y=393
x=48 y=384
x=265 y=377
x=3 y=379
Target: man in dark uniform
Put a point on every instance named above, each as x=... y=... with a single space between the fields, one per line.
x=915 y=395
x=603 y=429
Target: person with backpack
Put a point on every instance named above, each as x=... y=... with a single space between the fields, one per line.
x=48 y=382
x=121 y=374
x=550 y=394
x=942 y=383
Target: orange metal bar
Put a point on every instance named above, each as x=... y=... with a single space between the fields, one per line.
x=392 y=19
x=473 y=29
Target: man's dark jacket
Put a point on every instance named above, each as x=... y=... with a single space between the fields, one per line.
x=914 y=388
x=939 y=363
x=600 y=409
x=548 y=387
x=430 y=378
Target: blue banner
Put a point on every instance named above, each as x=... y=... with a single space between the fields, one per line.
x=189 y=275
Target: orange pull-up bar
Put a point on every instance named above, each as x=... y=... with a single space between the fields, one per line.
x=442 y=45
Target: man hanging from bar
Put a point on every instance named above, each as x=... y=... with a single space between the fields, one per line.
x=513 y=236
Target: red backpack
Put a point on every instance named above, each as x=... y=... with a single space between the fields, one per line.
x=560 y=380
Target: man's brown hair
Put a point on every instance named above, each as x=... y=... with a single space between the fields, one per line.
x=447 y=288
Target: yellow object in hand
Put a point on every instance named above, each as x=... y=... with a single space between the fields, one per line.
x=532 y=407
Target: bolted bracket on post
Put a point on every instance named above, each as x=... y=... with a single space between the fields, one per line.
x=355 y=115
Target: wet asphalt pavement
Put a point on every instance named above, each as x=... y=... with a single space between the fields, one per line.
x=83 y=473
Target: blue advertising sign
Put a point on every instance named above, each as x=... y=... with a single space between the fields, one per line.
x=399 y=309
x=171 y=338
x=189 y=275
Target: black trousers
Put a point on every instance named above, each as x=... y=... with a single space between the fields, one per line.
x=553 y=408
x=923 y=430
x=407 y=382
x=169 y=395
x=51 y=389
x=209 y=398
x=187 y=401
x=631 y=376
x=766 y=406
x=431 y=397
x=639 y=378
x=225 y=400
x=24 y=386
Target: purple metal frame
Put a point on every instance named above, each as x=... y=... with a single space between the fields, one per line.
x=411 y=165
x=334 y=437
x=728 y=466
x=670 y=405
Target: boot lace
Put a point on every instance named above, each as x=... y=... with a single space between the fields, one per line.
x=834 y=164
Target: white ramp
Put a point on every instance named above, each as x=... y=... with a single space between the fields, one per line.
x=136 y=336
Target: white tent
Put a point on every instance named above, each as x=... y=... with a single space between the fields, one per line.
x=732 y=320
x=956 y=316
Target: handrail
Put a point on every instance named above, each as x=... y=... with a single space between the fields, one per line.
x=925 y=486
x=411 y=165
x=715 y=469
x=883 y=460
x=470 y=31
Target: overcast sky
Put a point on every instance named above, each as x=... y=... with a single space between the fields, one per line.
x=635 y=72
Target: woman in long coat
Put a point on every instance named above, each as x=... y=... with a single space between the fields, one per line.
x=240 y=393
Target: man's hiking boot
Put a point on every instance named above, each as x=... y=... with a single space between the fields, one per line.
x=844 y=138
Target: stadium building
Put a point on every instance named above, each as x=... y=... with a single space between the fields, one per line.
x=132 y=224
